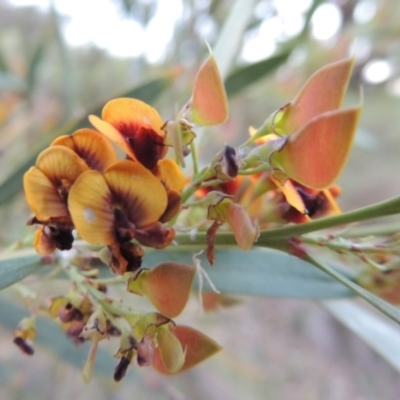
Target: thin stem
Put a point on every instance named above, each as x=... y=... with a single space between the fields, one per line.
x=381 y=209
x=348 y=246
x=109 y=281
x=194 y=185
x=386 y=308
x=384 y=229
x=194 y=158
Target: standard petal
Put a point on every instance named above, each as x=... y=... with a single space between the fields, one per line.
x=42 y=196
x=137 y=191
x=61 y=165
x=125 y=113
x=140 y=125
x=91 y=146
x=90 y=203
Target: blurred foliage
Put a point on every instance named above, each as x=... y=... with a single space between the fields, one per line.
x=47 y=86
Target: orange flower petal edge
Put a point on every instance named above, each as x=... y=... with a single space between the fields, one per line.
x=91 y=146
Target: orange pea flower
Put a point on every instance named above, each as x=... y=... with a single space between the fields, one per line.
x=47 y=184
x=126 y=201
x=293 y=202
x=135 y=127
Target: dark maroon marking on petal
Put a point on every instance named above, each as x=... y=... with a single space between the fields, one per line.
x=147 y=144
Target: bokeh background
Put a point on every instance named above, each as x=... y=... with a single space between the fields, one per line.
x=63 y=59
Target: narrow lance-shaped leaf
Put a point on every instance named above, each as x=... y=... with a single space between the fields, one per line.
x=243 y=77
x=15 y=268
x=208 y=105
x=259 y=272
x=323 y=91
x=316 y=154
x=381 y=336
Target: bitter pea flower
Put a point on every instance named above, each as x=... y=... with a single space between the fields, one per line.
x=135 y=127
x=48 y=183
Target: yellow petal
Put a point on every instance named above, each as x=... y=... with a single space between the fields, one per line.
x=138 y=192
x=60 y=164
x=91 y=146
x=92 y=210
x=42 y=196
x=113 y=134
x=170 y=175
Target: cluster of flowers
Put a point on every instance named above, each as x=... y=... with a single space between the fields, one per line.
x=284 y=173
x=78 y=183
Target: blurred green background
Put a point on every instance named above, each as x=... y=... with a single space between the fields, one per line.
x=61 y=60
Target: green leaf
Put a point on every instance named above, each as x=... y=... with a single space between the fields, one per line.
x=3 y=62
x=231 y=36
x=147 y=92
x=245 y=76
x=17 y=267
x=50 y=336
x=263 y=272
x=376 y=332
x=33 y=67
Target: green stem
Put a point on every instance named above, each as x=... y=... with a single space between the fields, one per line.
x=347 y=246
x=109 y=281
x=381 y=209
x=386 y=308
x=384 y=229
x=194 y=158
x=263 y=130
x=194 y=185
x=275 y=238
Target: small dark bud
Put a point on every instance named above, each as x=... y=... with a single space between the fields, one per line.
x=121 y=368
x=25 y=347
